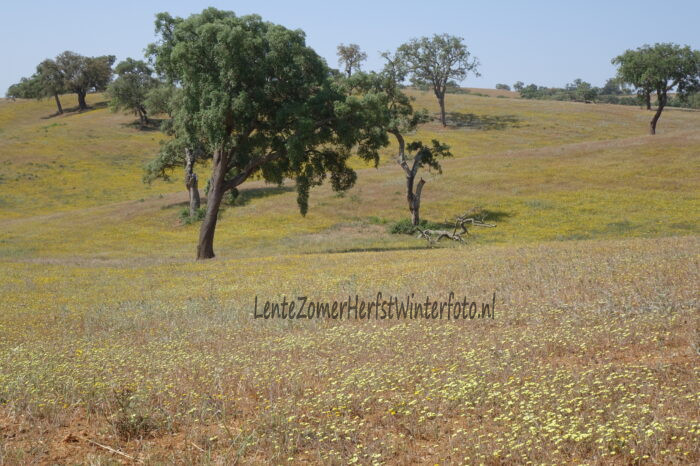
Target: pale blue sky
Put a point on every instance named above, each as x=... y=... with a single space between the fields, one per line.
x=546 y=42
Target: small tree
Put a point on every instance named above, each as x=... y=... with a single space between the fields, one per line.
x=436 y=60
x=660 y=68
x=263 y=103
x=518 y=86
x=130 y=89
x=400 y=118
x=48 y=81
x=503 y=87
x=85 y=74
x=350 y=58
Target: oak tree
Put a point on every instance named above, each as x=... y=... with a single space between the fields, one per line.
x=263 y=103
x=660 y=68
x=350 y=57
x=85 y=74
x=434 y=61
x=130 y=89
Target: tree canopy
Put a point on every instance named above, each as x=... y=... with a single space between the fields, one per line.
x=350 y=58
x=85 y=74
x=660 y=68
x=130 y=89
x=436 y=60
x=262 y=102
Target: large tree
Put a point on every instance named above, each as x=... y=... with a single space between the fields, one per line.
x=85 y=74
x=130 y=89
x=350 y=58
x=400 y=118
x=434 y=61
x=660 y=68
x=263 y=103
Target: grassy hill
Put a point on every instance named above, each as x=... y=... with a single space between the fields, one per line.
x=110 y=334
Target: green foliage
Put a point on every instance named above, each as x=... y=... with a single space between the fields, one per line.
x=406 y=227
x=579 y=90
x=350 y=57
x=85 y=74
x=26 y=88
x=428 y=156
x=504 y=87
x=256 y=95
x=436 y=60
x=130 y=89
x=188 y=219
x=660 y=68
x=160 y=99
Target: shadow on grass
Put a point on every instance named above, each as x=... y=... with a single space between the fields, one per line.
x=483 y=122
x=67 y=111
x=154 y=124
x=246 y=195
x=371 y=249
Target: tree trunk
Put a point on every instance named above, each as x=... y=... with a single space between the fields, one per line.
x=82 y=105
x=660 y=107
x=441 y=100
x=648 y=100
x=191 y=182
x=415 y=203
x=205 y=247
x=58 y=104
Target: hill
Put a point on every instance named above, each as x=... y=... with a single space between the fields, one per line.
x=113 y=339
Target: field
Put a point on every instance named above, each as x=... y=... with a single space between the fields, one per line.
x=115 y=346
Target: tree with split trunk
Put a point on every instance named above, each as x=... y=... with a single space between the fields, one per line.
x=350 y=58
x=660 y=68
x=131 y=87
x=85 y=74
x=434 y=61
x=263 y=103
x=400 y=119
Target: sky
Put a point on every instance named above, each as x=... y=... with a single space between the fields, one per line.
x=549 y=43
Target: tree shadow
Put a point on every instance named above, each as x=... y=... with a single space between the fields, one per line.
x=482 y=122
x=77 y=110
x=244 y=196
x=154 y=124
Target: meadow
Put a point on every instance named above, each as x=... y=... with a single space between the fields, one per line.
x=115 y=346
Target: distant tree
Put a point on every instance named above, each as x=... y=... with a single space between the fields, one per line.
x=581 y=90
x=400 y=119
x=350 y=57
x=434 y=61
x=51 y=81
x=503 y=87
x=518 y=86
x=159 y=99
x=85 y=74
x=26 y=88
x=48 y=81
x=130 y=89
x=263 y=103
x=613 y=86
x=661 y=68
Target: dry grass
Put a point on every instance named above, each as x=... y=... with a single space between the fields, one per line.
x=112 y=338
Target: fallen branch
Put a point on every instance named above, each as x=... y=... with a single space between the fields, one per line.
x=473 y=218
x=112 y=450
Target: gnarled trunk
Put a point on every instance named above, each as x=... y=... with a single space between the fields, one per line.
x=82 y=104
x=58 y=104
x=647 y=97
x=441 y=101
x=143 y=116
x=191 y=182
x=205 y=247
x=661 y=98
x=412 y=197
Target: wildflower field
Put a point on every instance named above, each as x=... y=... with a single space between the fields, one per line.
x=116 y=347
